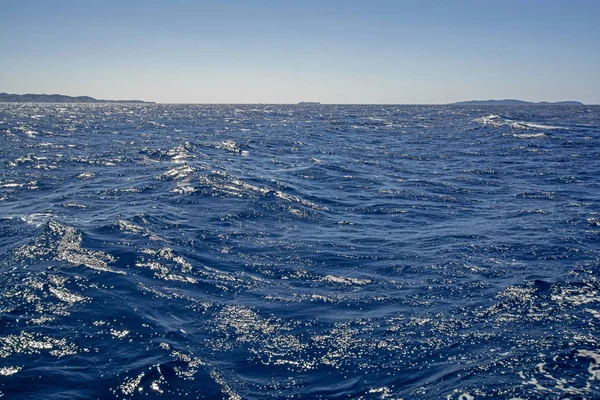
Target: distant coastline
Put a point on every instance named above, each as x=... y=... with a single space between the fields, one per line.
x=60 y=98
x=57 y=98
x=513 y=102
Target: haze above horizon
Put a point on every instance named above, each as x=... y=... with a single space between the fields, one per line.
x=384 y=52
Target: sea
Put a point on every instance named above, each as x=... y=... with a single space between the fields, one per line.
x=163 y=251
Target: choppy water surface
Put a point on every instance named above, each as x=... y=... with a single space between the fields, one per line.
x=271 y=252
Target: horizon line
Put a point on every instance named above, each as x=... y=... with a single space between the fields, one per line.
x=104 y=101
x=300 y=102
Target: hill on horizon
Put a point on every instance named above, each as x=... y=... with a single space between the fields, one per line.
x=56 y=98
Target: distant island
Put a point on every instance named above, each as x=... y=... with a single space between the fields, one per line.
x=309 y=103
x=513 y=102
x=56 y=98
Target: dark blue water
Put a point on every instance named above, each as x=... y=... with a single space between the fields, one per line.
x=305 y=252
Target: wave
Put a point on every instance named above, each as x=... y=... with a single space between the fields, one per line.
x=63 y=243
x=495 y=120
x=228 y=145
x=530 y=135
x=423 y=261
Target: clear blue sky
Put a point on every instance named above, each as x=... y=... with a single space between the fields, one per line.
x=279 y=51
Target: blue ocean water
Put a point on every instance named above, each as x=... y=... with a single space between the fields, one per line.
x=299 y=252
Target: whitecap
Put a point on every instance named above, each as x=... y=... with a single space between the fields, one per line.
x=530 y=135
x=295 y=199
x=12 y=185
x=184 y=189
x=495 y=120
x=345 y=280
x=178 y=173
x=179 y=154
x=86 y=175
x=36 y=219
x=7 y=371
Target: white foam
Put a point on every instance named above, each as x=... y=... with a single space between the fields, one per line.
x=128 y=226
x=179 y=154
x=296 y=199
x=563 y=385
x=178 y=173
x=495 y=120
x=577 y=296
x=12 y=185
x=86 y=175
x=384 y=391
x=345 y=280
x=36 y=219
x=230 y=146
x=184 y=189
x=119 y=334
x=7 y=371
x=530 y=135
x=64 y=295
x=164 y=273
